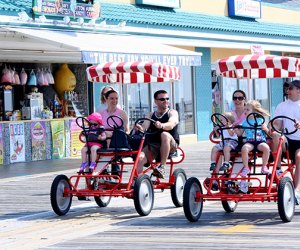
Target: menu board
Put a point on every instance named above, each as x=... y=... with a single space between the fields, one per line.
x=17 y=142
x=58 y=139
x=38 y=143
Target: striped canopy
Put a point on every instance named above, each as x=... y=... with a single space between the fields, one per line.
x=258 y=66
x=132 y=72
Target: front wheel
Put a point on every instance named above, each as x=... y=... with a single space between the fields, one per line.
x=143 y=195
x=229 y=206
x=60 y=201
x=102 y=201
x=192 y=203
x=286 y=199
x=177 y=188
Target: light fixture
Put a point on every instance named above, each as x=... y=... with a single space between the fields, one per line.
x=80 y=21
x=92 y=22
x=24 y=16
x=102 y=24
x=67 y=20
x=122 y=24
x=42 y=19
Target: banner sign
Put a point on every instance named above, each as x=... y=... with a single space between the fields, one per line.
x=38 y=144
x=67 y=8
x=244 y=8
x=94 y=57
x=58 y=139
x=76 y=144
x=162 y=3
x=17 y=142
x=1 y=144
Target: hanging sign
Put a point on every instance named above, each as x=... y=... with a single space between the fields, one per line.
x=162 y=3
x=67 y=8
x=38 y=138
x=76 y=144
x=58 y=139
x=244 y=8
x=17 y=142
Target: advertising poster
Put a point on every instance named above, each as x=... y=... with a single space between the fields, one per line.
x=17 y=142
x=38 y=135
x=1 y=144
x=76 y=144
x=58 y=139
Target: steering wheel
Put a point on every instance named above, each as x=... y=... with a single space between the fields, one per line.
x=147 y=132
x=284 y=131
x=255 y=117
x=83 y=123
x=216 y=119
x=112 y=121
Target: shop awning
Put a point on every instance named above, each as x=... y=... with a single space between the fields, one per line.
x=90 y=48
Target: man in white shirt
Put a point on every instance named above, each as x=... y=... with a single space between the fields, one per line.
x=291 y=109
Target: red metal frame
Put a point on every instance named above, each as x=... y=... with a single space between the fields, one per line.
x=113 y=185
x=265 y=190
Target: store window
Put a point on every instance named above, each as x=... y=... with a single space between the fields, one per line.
x=257 y=89
x=137 y=99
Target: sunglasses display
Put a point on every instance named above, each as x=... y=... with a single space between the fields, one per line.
x=163 y=99
x=240 y=98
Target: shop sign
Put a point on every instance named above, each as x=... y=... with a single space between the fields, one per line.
x=257 y=50
x=244 y=8
x=66 y=8
x=100 y=57
x=58 y=139
x=17 y=142
x=162 y=3
x=38 y=141
x=1 y=144
x=76 y=144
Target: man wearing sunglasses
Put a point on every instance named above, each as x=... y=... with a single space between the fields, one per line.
x=291 y=109
x=166 y=138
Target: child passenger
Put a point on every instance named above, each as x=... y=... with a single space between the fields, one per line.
x=96 y=135
x=252 y=140
x=230 y=142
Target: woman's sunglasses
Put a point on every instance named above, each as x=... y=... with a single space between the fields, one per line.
x=163 y=99
x=240 y=98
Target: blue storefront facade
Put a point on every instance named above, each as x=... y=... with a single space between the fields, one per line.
x=204 y=33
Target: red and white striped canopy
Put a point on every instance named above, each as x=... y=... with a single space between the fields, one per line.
x=258 y=66
x=132 y=72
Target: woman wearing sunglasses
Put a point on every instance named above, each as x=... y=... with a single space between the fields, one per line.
x=239 y=100
x=96 y=136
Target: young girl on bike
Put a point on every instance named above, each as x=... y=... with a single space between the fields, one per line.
x=253 y=139
x=95 y=136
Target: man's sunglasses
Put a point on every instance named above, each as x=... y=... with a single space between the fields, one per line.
x=240 y=98
x=163 y=99
x=292 y=87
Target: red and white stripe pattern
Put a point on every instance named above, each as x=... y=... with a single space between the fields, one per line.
x=258 y=66
x=132 y=72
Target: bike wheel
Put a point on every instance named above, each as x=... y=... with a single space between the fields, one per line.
x=177 y=188
x=286 y=199
x=143 y=195
x=102 y=201
x=60 y=202
x=192 y=203
x=229 y=206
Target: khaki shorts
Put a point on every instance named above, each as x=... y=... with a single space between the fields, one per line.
x=152 y=150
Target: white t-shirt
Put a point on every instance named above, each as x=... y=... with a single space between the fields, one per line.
x=292 y=110
x=228 y=136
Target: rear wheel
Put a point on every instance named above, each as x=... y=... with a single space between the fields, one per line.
x=229 y=206
x=60 y=202
x=286 y=199
x=102 y=201
x=143 y=195
x=177 y=188
x=192 y=203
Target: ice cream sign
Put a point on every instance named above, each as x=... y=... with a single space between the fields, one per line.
x=244 y=8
